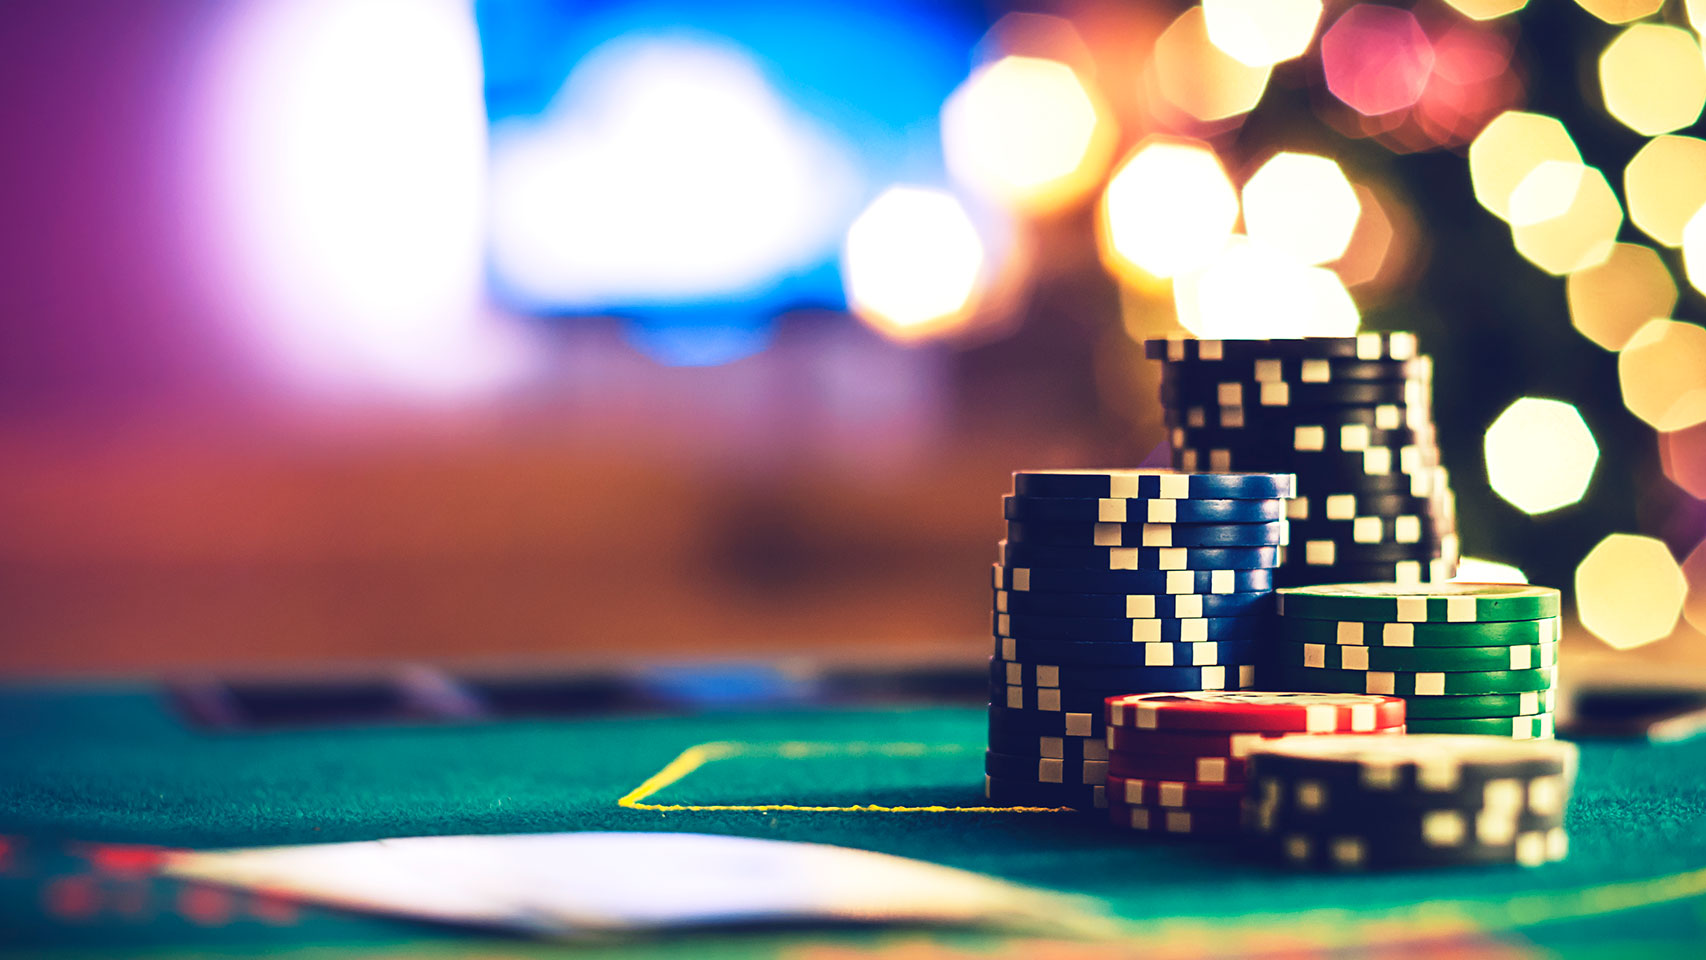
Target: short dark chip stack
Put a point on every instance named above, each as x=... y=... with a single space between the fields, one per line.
x=1423 y=800
x=1470 y=658
x=1178 y=762
x=1115 y=582
x=1351 y=418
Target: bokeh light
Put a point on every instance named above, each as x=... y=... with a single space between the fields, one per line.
x=1374 y=245
x=1694 y=573
x=1302 y=204
x=1377 y=59
x=1026 y=131
x=1629 y=590
x=1197 y=77
x=912 y=263
x=1540 y=455
x=1682 y=453
x=1665 y=183
x=1653 y=78
x=1694 y=249
x=1486 y=10
x=1611 y=301
x=1168 y=209
x=1472 y=81
x=1261 y=33
x=1477 y=570
x=1564 y=217
x=1509 y=149
x=1663 y=373
x=1254 y=290
x=1621 y=11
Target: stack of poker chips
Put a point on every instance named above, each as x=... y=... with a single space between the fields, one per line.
x=1353 y=803
x=1351 y=418
x=1178 y=762
x=1467 y=657
x=1115 y=582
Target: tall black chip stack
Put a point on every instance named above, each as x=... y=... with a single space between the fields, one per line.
x=1351 y=418
x=1117 y=582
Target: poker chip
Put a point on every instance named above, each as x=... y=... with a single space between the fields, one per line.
x=1122 y=510
x=1128 y=630
x=1173 y=767
x=1070 y=749
x=1021 y=793
x=1411 y=801
x=1097 y=676
x=1202 y=744
x=1093 y=655
x=1018 y=769
x=1152 y=679
x=1347 y=507
x=1363 y=346
x=1446 y=602
x=1318 y=552
x=1448 y=659
x=1398 y=528
x=1400 y=573
x=1301 y=369
x=1195 y=823
x=1137 y=558
x=1487 y=633
x=1485 y=705
x=1140 y=792
x=1135 y=606
x=1152 y=484
x=1051 y=723
x=1406 y=683
x=1540 y=726
x=1170 y=582
x=1148 y=534
x=1304 y=438
x=1329 y=466
x=1305 y=396
x=1251 y=711
x=1261 y=422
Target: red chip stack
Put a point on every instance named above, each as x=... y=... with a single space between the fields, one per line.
x=1177 y=761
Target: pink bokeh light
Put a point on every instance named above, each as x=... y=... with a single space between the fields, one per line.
x=1377 y=59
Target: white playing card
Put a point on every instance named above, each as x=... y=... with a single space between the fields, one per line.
x=562 y=884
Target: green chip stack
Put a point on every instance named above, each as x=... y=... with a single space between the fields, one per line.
x=1478 y=658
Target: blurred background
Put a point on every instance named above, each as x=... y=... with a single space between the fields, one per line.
x=337 y=332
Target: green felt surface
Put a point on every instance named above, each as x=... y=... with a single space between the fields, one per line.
x=116 y=766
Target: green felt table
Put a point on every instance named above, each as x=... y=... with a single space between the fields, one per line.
x=117 y=766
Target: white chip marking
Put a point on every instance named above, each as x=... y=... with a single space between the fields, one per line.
x=1341 y=506
x=1048 y=676
x=1107 y=534
x=1444 y=828
x=1190 y=605
x=1175 y=486
x=1140 y=607
x=1051 y=771
x=1430 y=684
x=1353 y=658
x=1162 y=511
x=1158 y=654
x=1170 y=793
x=1309 y=438
x=1111 y=511
x=1078 y=724
x=1397 y=635
x=1353 y=437
x=1211 y=769
x=1276 y=394
x=1315 y=655
x=1348 y=633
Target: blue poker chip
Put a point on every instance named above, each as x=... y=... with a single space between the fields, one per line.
x=1152 y=484
x=1143 y=606
x=1277 y=420
x=1045 y=770
x=1126 y=630
x=1045 y=533
x=1432 y=570
x=1138 y=558
x=1025 y=696
x=1304 y=438
x=1172 y=582
x=1342 y=466
x=1398 y=345
x=1257 y=369
x=1020 y=743
x=1123 y=510
x=1306 y=397
x=1048 y=723
x=1001 y=792
x=1099 y=654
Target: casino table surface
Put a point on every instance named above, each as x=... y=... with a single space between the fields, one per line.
x=84 y=768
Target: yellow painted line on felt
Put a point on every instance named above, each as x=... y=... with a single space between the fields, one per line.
x=697 y=756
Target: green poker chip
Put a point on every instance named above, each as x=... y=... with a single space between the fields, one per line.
x=1332 y=656
x=1495 y=633
x=1421 y=603
x=1536 y=727
x=1407 y=683
x=1479 y=707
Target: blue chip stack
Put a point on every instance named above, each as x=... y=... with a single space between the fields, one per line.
x=1115 y=582
x=1351 y=418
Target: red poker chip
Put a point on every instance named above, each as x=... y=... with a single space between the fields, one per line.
x=1156 y=766
x=1176 y=822
x=1211 y=743
x=1139 y=792
x=1256 y=711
